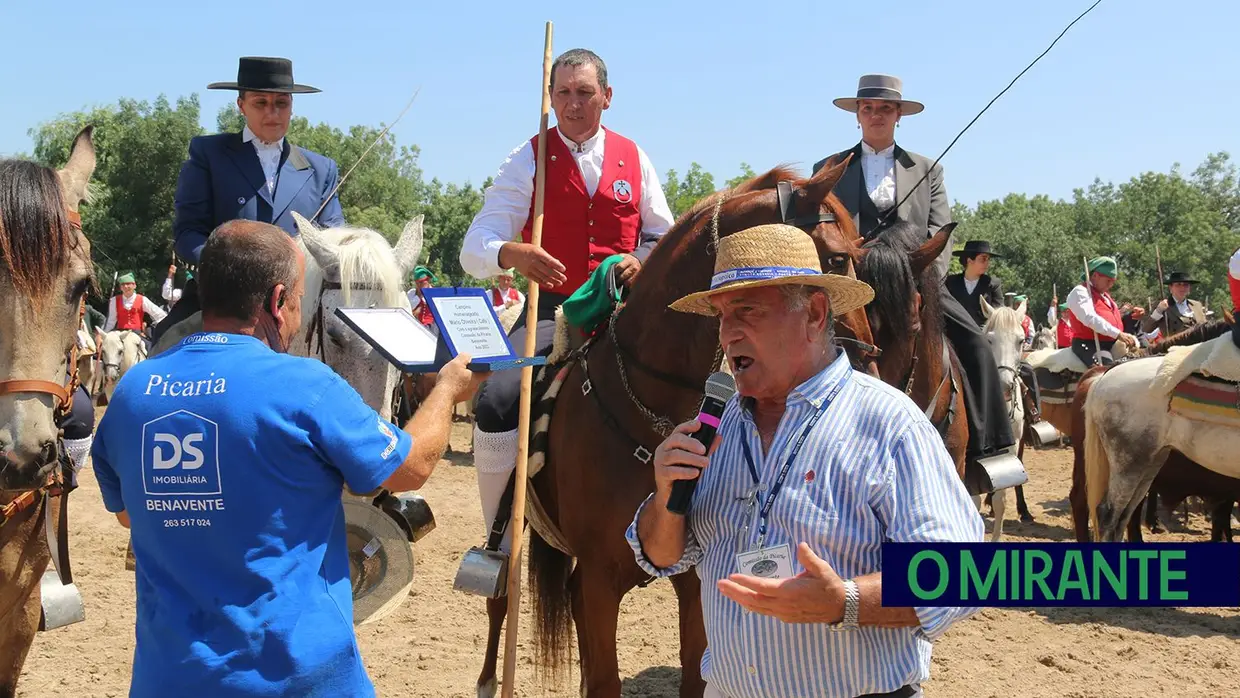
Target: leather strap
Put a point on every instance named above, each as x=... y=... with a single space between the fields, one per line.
x=788 y=209
x=56 y=390
x=75 y=219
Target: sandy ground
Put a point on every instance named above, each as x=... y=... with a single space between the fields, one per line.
x=432 y=645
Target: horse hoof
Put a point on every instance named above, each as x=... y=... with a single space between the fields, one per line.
x=487 y=690
x=1026 y=518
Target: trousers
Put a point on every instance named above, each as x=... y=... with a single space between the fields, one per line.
x=989 y=428
x=1084 y=349
x=497 y=412
x=909 y=691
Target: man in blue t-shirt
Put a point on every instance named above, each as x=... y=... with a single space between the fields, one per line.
x=227 y=458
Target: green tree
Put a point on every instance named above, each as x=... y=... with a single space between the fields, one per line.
x=140 y=148
x=746 y=174
x=681 y=196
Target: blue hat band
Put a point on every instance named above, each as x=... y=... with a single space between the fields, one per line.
x=741 y=274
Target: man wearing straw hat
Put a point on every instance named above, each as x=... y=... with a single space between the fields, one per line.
x=1095 y=317
x=815 y=466
x=254 y=175
x=603 y=200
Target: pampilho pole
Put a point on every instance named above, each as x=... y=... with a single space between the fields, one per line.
x=1162 y=289
x=516 y=526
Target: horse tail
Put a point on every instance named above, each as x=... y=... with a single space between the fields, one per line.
x=550 y=571
x=1097 y=464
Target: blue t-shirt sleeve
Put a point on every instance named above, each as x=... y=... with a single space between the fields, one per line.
x=105 y=474
x=354 y=439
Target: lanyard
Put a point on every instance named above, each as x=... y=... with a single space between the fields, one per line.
x=783 y=472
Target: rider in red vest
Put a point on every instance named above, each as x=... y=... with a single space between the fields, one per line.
x=1233 y=281
x=1095 y=317
x=1063 y=328
x=129 y=310
x=603 y=198
x=505 y=294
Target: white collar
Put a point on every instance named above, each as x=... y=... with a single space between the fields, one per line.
x=887 y=152
x=595 y=141
x=247 y=135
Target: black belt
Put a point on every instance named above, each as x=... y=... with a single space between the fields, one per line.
x=902 y=692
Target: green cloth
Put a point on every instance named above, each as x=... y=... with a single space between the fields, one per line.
x=1105 y=266
x=189 y=275
x=1020 y=298
x=592 y=303
x=1063 y=306
x=126 y=278
x=421 y=272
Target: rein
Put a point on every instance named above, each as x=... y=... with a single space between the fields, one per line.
x=316 y=324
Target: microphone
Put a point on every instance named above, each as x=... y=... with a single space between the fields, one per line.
x=720 y=387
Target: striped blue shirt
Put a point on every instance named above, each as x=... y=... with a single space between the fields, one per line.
x=873 y=469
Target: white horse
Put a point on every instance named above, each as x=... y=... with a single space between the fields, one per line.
x=1129 y=431
x=353 y=268
x=1006 y=337
x=121 y=351
x=1044 y=339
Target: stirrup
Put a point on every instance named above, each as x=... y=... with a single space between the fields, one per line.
x=995 y=471
x=483 y=573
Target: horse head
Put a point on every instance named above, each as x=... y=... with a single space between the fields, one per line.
x=353 y=268
x=1007 y=338
x=45 y=269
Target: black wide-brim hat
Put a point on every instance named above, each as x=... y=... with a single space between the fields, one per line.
x=261 y=74
x=972 y=248
x=1179 y=277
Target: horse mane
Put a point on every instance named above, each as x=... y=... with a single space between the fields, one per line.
x=365 y=259
x=1195 y=335
x=35 y=237
x=890 y=273
x=1004 y=320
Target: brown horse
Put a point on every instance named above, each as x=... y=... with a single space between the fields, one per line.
x=45 y=269
x=906 y=321
x=643 y=377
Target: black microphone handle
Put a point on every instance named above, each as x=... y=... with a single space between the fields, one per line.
x=682 y=490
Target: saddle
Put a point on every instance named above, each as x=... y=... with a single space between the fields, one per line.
x=1217 y=359
x=1057 y=372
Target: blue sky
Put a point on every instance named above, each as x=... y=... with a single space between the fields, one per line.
x=1137 y=85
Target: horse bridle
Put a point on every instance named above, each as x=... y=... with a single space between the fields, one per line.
x=63 y=394
x=316 y=324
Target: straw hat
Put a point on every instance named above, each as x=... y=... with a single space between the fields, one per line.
x=774 y=255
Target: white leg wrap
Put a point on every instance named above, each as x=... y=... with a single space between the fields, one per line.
x=78 y=450
x=495 y=457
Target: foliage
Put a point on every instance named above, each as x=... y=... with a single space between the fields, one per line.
x=1193 y=223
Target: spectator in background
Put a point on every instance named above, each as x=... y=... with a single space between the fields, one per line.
x=505 y=295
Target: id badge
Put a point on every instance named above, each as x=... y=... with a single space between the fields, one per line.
x=770 y=563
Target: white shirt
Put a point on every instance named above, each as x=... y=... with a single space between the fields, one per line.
x=879 y=168
x=1081 y=305
x=970 y=284
x=507 y=202
x=268 y=156
x=1181 y=306
x=168 y=292
x=1233 y=266
x=149 y=309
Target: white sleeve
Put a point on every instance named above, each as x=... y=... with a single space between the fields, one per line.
x=505 y=208
x=1082 y=306
x=1051 y=315
x=166 y=289
x=657 y=216
x=1233 y=267
x=156 y=313
x=110 y=324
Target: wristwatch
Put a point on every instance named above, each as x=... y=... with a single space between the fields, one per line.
x=852 y=607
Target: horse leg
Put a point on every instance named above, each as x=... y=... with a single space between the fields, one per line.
x=998 y=506
x=692 y=634
x=1220 y=521
x=596 y=611
x=497 y=609
x=1134 y=529
x=1021 y=507
x=1151 y=512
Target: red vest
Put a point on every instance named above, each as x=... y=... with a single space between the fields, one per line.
x=1063 y=332
x=1105 y=308
x=499 y=297
x=130 y=319
x=579 y=230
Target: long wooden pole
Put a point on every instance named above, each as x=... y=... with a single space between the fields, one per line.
x=1163 y=290
x=516 y=526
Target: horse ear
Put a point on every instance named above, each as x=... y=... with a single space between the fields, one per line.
x=75 y=177
x=987 y=310
x=409 y=246
x=924 y=256
x=818 y=187
x=312 y=239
